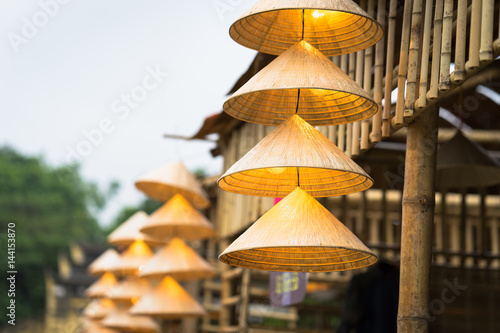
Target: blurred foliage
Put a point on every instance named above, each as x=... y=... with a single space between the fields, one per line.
x=50 y=206
x=148 y=206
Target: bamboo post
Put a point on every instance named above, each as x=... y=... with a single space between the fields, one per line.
x=367 y=83
x=433 y=92
x=475 y=36
x=418 y=214
x=342 y=127
x=444 y=76
x=245 y=300
x=411 y=85
x=403 y=63
x=349 y=131
x=486 y=51
x=458 y=74
x=424 y=67
x=391 y=32
x=495 y=242
x=356 y=126
x=376 y=134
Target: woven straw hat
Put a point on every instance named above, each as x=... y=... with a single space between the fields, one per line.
x=177 y=218
x=121 y=320
x=102 y=286
x=129 y=290
x=327 y=95
x=178 y=261
x=104 y=262
x=93 y=326
x=132 y=259
x=333 y=26
x=298 y=235
x=295 y=150
x=128 y=232
x=99 y=308
x=168 y=300
x=163 y=183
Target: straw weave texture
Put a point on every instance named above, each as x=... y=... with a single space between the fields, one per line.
x=178 y=261
x=99 y=308
x=298 y=235
x=327 y=95
x=333 y=26
x=104 y=262
x=121 y=320
x=101 y=286
x=131 y=260
x=128 y=232
x=163 y=183
x=170 y=301
x=177 y=218
x=130 y=289
x=295 y=152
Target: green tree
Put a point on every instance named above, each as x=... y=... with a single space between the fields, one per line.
x=50 y=207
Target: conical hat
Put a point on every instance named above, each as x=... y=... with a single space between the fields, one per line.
x=177 y=218
x=120 y=320
x=327 y=95
x=129 y=290
x=132 y=260
x=178 y=261
x=102 y=286
x=333 y=26
x=99 y=308
x=293 y=149
x=163 y=183
x=93 y=326
x=128 y=232
x=298 y=235
x=170 y=301
x=104 y=262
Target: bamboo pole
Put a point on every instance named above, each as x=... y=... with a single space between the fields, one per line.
x=444 y=76
x=245 y=300
x=475 y=36
x=486 y=52
x=424 y=69
x=458 y=74
x=376 y=134
x=403 y=62
x=418 y=213
x=367 y=83
x=391 y=32
x=433 y=92
x=356 y=126
x=411 y=85
x=349 y=131
x=342 y=127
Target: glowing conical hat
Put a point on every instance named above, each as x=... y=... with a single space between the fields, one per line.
x=132 y=260
x=298 y=235
x=104 y=262
x=129 y=290
x=180 y=262
x=128 y=232
x=333 y=26
x=102 y=286
x=93 y=326
x=295 y=153
x=99 y=308
x=163 y=183
x=168 y=300
x=177 y=218
x=120 y=320
x=327 y=95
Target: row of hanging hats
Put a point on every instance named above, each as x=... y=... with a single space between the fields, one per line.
x=300 y=89
x=141 y=285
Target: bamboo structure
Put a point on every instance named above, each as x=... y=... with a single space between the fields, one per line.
x=414 y=49
x=418 y=213
x=424 y=68
x=403 y=63
x=475 y=36
x=444 y=76
x=458 y=74
x=486 y=51
x=378 y=89
x=433 y=92
x=386 y=118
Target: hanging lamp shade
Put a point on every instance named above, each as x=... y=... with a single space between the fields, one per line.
x=102 y=286
x=121 y=320
x=333 y=26
x=169 y=301
x=298 y=235
x=177 y=218
x=303 y=81
x=128 y=232
x=462 y=163
x=133 y=259
x=93 y=326
x=178 y=261
x=163 y=183
x=295 y=153
x=104 y=262
x=129 y=290
x=98 y=309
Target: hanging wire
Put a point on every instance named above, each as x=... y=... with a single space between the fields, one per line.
x=298 y=177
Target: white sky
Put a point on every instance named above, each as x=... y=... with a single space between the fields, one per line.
x=64 y=78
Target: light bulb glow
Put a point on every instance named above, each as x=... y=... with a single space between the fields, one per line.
x=276 y=171
x=318 y=14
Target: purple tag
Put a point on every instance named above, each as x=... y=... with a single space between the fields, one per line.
x=287 y=288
